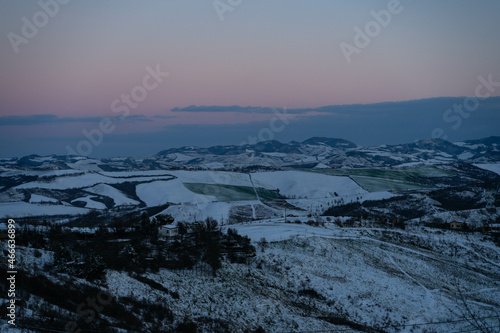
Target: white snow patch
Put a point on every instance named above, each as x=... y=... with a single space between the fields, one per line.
x=35 y=198
x=24 y=209
x=86 y=164
x=213 y=177
x=85 y=180
x=160 y=192
x=280 y=231
x=199 y=212
x=306 y=184
x=127 y=174
x=490 y=167
x=91 y=203
x=118 y=197
x=182 y=158
x=321 y=166
x=214 y=165
x=466 y=155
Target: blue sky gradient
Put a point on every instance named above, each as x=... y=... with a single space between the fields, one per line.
x=264 y=54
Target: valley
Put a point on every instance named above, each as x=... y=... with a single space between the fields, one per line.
x=300 y=237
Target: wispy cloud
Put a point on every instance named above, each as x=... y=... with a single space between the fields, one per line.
x=234 y=108
x=347 y=109
x=366 y=125
x=43 y=119
x=162 y=116
x=39 y=119
x=134 y=118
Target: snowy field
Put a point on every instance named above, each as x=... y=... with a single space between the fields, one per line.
x=201 y=194
x=300 y=184
x=85 y=180
x=134 y=174
x=290 y=183
x=374 y=184
x=349 y=273
x=213 y=177
x=35 y=198
x=490 y=167
x=24 y=209
x=118 y=197
x=201 y=211
x=273 y=232
x=6 y=172
x=89 y=203
x=160 y=192
x=402 y=178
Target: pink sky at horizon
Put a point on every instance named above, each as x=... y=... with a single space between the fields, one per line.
x=277 y=54
x=76 y=66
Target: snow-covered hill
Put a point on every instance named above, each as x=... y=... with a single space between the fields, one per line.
x=348 y=238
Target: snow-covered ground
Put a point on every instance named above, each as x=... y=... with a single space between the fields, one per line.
x=160 y=192
x=220 y=211
x=309 y=273
x=6 y=172
x=312 y=186
x=319 y=205
x=490 y=167
x=35 y=198
x=89 y=203
x=85 y=180
x=201 y=211
x=118 y=197
x=213 y=177
x=306 y=184
x=24 y=209
x=194 y=196
x=159 y=187
x=280 y=231
x=86 y=164
x=127 y=174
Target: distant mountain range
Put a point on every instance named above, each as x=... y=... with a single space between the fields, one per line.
x=316 y=152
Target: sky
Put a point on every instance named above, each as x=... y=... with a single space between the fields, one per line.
x=130 y=78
